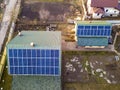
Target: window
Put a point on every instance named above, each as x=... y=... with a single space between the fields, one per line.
x=106 y=10
x=98 y=14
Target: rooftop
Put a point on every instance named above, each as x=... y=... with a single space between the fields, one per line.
x=92 y=23
x=36 y=83
x=40 y=39
x=104 y=3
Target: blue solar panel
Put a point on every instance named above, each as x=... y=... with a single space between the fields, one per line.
x=93 y=30
x=20 y=53
x=25 y=63
x=29 y=70
x=20 y=70
x=15 y=52
x=24 y=53
x=10 y=53
x=12 y=70
x=34 y=61
x=39 y=70
x=16 y=70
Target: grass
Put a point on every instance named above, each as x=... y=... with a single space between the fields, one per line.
x=7 y=84
x=92 y=86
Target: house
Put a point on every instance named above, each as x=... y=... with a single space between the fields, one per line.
x=93 y=33
x=103 y=7
x=36 y=53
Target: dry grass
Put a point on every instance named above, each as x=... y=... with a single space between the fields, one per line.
x=79 y=86
x=46 y=0
x=7 y=84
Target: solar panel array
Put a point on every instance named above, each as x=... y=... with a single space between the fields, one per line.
x=34 y=61
x=93 y=30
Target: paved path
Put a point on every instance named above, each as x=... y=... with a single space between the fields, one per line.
x=6 y=21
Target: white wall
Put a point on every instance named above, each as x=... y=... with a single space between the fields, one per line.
x=111 y=12
x=96 y=16
x=89 y=8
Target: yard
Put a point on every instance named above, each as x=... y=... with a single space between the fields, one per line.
x=90 y=70
x=92 y=86
x=37 y=14
x=90 y=67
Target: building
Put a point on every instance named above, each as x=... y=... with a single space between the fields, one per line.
x=93 y=33
x=36 y=53
x=103 y=7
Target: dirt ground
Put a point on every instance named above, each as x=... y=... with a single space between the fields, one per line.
x=90 y=67
x=47 y=11
x=117 y=44
x=36 y=14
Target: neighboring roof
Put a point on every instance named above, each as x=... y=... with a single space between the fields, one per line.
x=98 y=10
x=36 y=83
x=92 y=41
x=41 y=39
x=104 y=3
x=118 y=7
x=93 y=23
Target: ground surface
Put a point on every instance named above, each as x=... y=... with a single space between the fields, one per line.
x=46 y=11
x=79 y=86
x=35 y=14
x=90 y=67
x=6 y=80
x=117 y=44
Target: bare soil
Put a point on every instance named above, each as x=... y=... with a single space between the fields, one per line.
x=100 y=60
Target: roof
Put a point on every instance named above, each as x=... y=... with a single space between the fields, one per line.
x=36 y=83
x=41 y=39
x=104 y=3
x=103 y=23
x=98 y=10
x=118 y=7
x=92 y=41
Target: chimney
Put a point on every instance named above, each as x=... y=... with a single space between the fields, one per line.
x=32 y=44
